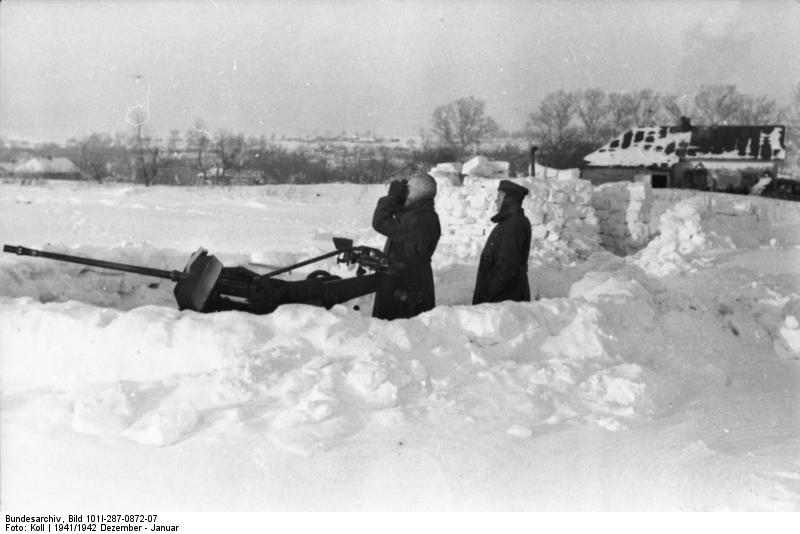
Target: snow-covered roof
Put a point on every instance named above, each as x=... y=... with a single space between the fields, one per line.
x=46 y=166
x=663 y=146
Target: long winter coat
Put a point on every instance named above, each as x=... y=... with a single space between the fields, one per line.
x=413 y=232
x=503 y=268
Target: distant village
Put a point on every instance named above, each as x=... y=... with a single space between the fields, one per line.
x=732 y=159
x=718 y=140
x=231 y=159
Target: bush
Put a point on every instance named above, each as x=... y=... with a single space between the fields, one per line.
x=565 y=153
x=278 y=165
x=518 y=158
x=427 y=157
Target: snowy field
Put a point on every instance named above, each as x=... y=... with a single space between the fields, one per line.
x=667 y=380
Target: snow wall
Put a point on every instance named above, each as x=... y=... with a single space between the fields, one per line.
x=571 y=218
x=765 y=218
x=623 y=210
x=562 y=218
x=631 y=214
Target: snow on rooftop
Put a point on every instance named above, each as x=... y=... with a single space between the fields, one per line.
x=663 y=146
x=641 y=147
x=47 y=165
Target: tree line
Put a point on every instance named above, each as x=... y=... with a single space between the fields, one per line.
x=570 y=124
x=566 y=126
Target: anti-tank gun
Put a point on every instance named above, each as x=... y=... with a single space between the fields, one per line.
x=205 y=285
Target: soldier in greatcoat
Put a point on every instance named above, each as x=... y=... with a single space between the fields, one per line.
x=503 y=268
x=406 y=216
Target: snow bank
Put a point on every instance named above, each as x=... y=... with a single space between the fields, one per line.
x=153 y=374
x=626 y=388
x=686 y=234
x=47 y=280
x=230 y=222
x=790 y=333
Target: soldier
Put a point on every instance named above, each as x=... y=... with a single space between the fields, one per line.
x=406 y=216
x=503 y=268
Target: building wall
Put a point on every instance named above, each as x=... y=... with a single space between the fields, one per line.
x=604 y=175
x=733 y=176
x=720 y=175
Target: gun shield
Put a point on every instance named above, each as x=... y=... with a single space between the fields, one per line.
x=193 y=292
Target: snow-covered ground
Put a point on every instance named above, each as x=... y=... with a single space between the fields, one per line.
x=667 y=380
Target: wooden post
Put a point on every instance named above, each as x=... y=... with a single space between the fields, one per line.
x=534 y=148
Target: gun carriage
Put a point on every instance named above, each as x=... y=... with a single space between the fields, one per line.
x=205 y=285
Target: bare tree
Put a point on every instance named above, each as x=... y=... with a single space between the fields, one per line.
x=462 y=125
x=553 y=118
x=383 y=164
x=792 y=116
x=623 y=110
x=591 y=107
x=760 y=109
x=718 y=104
x=793 y=111
x=675 y=107
x=94 y=152
x=147 y=151
x=174 y=141
x=648 y=104
x=198 y=139
x=229 y=148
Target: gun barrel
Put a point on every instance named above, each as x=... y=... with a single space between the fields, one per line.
x=147 y=271
x=303 y=263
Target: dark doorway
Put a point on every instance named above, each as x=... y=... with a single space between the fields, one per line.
x=658 y=180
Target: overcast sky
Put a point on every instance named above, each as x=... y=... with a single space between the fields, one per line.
x=69 y=68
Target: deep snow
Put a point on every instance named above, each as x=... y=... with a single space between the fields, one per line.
x=667 y=380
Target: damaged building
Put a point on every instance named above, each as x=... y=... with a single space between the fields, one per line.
x=721 y=158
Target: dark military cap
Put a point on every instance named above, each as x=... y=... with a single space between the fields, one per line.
x=512 y=189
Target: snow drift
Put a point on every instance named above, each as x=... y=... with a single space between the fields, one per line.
x=663 y=380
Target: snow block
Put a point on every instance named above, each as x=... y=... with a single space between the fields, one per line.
x=167 y=424
x=623 y=210
x=104 y=410
x=480 y=166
